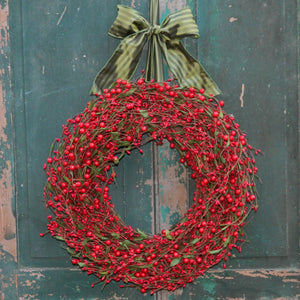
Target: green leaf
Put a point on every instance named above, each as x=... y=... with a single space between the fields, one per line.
x=183 y=219
x=84 y=242
x=103 y=272
x=92 y=104
x=125 y=244
x=51 y=149
x=144 y=113
x=209 y=111
x=49 y=187
x=128 y=93
x=145 y=266
x=175 y=261
x=66 y=179
x=215 y=251
x=142 y=234
x=116 y=236
x=221 y=115
x=60 y=238
x=223 y=160
x=168 y=235
x=228 y=143
x=196 y=241
x=81 y=264
x=226 y=242
x=70 y=251
x=60 y=148
x=73 y=253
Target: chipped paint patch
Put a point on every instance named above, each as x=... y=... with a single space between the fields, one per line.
x=37 y=275
x=8 y=280
x=242 y=95
x=7 y=219
x=172 y=187
x=3 y=45
x=133 y=3
x=233 y=19
x=174 y=295
x=116 y=297
x=29 y=297
x=282 y=273
x=169 y=6
x=222 y=277
x=252 y=273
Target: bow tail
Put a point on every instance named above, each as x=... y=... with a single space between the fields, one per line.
x=122 y=63
x=154 y=67
x=189 y=72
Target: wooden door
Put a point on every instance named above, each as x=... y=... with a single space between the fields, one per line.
x=50 y=53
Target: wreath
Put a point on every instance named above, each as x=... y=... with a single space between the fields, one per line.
x=83 y=165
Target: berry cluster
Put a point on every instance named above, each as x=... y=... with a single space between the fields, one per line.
x=82 y=168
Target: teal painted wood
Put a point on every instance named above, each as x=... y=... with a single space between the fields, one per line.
x=249 y=48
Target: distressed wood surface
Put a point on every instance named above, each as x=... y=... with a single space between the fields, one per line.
x=8 y=246
x=50 y=52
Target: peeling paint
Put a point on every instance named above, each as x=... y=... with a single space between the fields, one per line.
x=252 y=273
x=172 y=187
x=169 y=6
x=133 y=3
x=116 y=297
x=222 y=277
x=233 y=19
x=7 y=219
x=242 y=95
x=8 y=247
x=8 y=279
x=29 y=297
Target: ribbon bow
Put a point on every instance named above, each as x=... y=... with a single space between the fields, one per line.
x=135 y=31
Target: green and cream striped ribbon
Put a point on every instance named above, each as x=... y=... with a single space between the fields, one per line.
x=135 y=31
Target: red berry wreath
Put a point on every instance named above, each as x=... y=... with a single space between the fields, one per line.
x=81 y=170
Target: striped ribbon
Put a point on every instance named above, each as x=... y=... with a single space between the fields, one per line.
x=135 y=31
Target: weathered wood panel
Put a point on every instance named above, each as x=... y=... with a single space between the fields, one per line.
x=50 y=52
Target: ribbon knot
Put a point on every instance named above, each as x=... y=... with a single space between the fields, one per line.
x=135 y=31
x=154 y=29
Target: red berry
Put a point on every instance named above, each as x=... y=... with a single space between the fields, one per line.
x=215 y=114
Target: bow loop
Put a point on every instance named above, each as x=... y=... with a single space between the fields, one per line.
x=129 y=21
x=180 y=24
